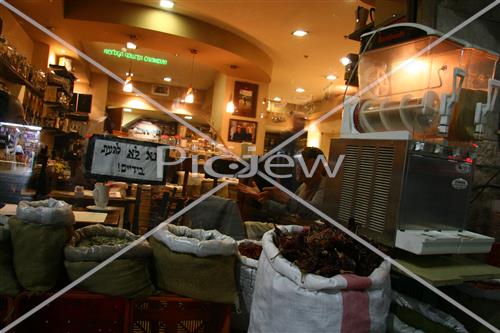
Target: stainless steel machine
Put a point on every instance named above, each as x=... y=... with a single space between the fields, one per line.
x=409 y=141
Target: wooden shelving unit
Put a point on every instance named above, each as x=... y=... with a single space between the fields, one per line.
x=13 y=76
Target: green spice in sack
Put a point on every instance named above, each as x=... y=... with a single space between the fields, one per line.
x=128 y=278
x=38 y=253
x=204 y=278
x=8 y=282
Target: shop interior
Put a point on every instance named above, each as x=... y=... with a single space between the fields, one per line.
x=119 y=117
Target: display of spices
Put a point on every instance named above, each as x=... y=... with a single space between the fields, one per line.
x=250 y=250
x=102 y=240
x=326 y=251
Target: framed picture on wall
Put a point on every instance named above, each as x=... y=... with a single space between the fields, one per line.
x=245 y=99
x=242 y=131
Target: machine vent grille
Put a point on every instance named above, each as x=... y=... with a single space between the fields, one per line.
x=366 y=186
x=381 y=188
x=348 y=184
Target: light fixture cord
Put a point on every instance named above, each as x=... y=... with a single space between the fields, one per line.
x=192 y=67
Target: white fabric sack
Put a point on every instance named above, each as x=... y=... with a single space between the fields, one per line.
x=48 y=212
x=247 y=273
x=201 y=243
x=285 y=300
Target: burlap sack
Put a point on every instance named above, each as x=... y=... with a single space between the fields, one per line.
x=209 y=278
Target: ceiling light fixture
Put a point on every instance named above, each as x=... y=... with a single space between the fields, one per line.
x=188 y=117
x=167 y=4
x=331 y=77
x=300 y=33
x=300 y=90
x=127 y=110
x=167 y=79
x=277 y=99
x=131 y=44
x=345 y=61
x=189 y=98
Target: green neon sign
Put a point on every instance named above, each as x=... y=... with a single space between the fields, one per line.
x=135 y=56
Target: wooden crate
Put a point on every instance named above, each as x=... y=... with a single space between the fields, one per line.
x=177 y=314
x=6 y=310
x=74 y=312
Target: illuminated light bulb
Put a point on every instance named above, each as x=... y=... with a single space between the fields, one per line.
x=300 y=33
x=188 y=117
x=331 y=77
x=277 y=99
x=131 y=45
x=345 y=61
x=167 y=79
x=230 y=107
x=167 y=4
x=300 y=90
x=128 y=86
x=189 y=96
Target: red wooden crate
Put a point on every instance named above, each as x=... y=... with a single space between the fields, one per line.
x=177 y=314
x=74 y=312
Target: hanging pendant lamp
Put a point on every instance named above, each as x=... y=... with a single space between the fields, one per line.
x=128 y=86
x=189 y=98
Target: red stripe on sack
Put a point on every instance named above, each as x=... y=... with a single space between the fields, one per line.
x=357 y=282
x=355 y=312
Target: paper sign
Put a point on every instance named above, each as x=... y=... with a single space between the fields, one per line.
x=113 y=158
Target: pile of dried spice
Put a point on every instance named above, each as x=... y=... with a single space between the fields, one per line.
x=250 y=250
x=325 y=251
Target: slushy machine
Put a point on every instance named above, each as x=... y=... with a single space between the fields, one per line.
x=408 y=140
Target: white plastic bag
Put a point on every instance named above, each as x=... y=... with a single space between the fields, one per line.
x=285 y=300
x=201 y=243
x=425 y=310
x=48 y=212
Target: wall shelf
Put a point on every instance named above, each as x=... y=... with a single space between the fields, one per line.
x=13 y=76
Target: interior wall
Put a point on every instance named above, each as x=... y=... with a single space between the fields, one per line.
x=98 y=88
x=223 y=90
x=15 y=34
x=320 y=135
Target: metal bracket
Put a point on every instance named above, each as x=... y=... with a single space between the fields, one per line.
x=483 y=109
x=448 y=101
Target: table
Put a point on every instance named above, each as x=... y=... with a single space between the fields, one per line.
x=88 y=199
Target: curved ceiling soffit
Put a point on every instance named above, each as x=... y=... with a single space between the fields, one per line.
x=259 y=64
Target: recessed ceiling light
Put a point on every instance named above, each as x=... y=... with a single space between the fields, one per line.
x=167 y=4
x=167 y=79
x=127 y=110
x=331 y=77
x=300 y=90
x=277 y=99
x=131 y=45
x=300 y=33
x=188 y=117
x=345 y=61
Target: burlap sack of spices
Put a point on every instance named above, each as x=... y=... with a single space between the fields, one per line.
x=8 y=281
x=39 y=232
x=195 y=263
x=128 y=276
